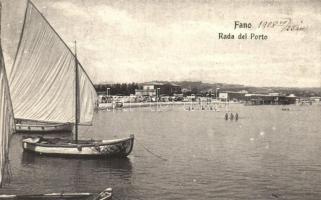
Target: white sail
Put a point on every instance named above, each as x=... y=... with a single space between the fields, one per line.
x=6 y=118
x=42 y=79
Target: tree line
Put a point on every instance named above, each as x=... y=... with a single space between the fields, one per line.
x=207 y=89
x=118 y=88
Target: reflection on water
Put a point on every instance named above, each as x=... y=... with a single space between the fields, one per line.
x=116 y=164
x=267 y=154
x=78 y=173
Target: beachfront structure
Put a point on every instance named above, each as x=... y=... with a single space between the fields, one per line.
x=315 y=99
x=308 y=100
x=269 y=99
x=232 y=96
x=158 y=88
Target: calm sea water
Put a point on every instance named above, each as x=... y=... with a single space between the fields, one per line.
x=267 y=154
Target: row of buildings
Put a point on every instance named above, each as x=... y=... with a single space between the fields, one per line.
x=258 y=99
x=153 y=90
x=158 y=88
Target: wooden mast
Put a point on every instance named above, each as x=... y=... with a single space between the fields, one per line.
x=2 y=167
x=76 y=95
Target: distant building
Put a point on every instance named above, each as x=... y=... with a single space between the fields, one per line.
x=232 y=96
x=186 y=90
x=269 y=99
x=158 y=88
x=315 y=99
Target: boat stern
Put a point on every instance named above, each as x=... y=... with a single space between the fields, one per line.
x=29 y=144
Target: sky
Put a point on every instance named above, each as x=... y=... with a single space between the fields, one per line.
x=144 y=40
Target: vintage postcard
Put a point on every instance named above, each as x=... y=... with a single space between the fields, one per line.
x=160 y=99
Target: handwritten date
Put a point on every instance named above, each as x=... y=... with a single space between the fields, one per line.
x=285 y=24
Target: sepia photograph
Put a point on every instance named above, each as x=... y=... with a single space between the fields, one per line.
x=160 y=99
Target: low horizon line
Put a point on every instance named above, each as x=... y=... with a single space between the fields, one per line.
x=242 y=85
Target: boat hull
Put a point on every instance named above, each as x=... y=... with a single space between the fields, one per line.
x=104 y=195
x=32 y=126
x=90 y=149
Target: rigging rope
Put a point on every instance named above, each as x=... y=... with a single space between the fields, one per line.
x=154 y=154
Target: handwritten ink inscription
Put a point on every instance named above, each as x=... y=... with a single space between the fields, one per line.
x=286 y=24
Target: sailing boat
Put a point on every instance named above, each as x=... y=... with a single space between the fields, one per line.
x=7 y=128
x=50 y=85
x=38 y=78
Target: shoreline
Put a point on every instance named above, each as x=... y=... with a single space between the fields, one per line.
x=149 y=104
x=141 y=104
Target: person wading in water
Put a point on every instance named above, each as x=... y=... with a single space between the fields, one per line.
x=231 y=116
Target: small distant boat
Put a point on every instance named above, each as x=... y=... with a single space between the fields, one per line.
x=102 y=108
x=118 y=104
x=24 y=126
x=67 y=97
